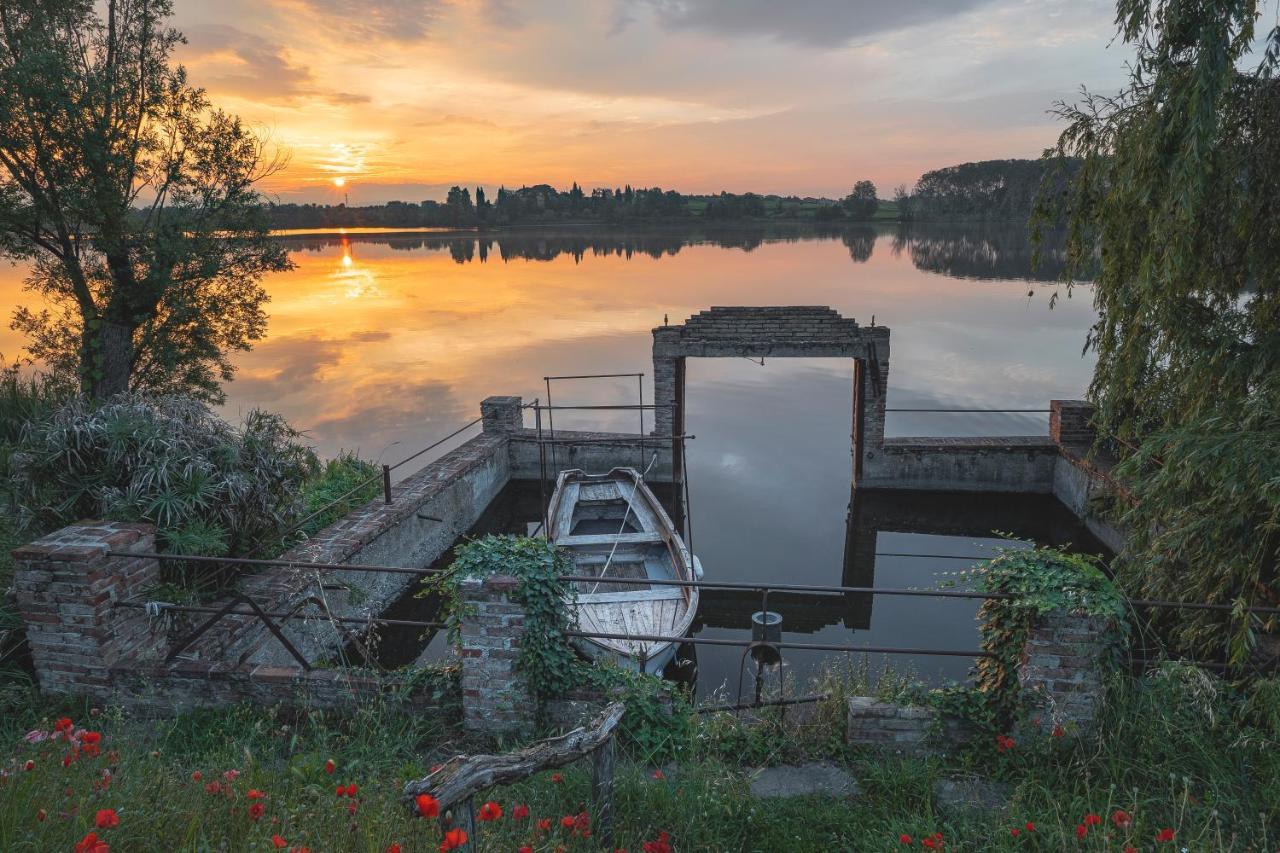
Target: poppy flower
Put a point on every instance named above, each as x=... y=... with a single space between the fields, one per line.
x=519 y=811
x=213 y=788
x=1092 y=820
x=278 y=842
x=556 y=778
x=657 y=774
x=1130 y=849
x=1015 y=832
x=1164 y=835
x=567 y=821
x=661 y=845
x=1003 y=743
x=453 y=838
x=92 y=844
x=1081 y=830
x=393 y=847
x=231 y=775
x=930 y=843
x=340 y=791
x=41 y=815
x=544 y=825
x=106 y=818
x=1059 y=731
x=254 y=794
x=1121 y=819
x=64 y=724
x=1030 y=827
x=428 y=806
x=91 y=737
x=197 y=776
x=329 y=767
x=904 y=839
x=256 y=810
x=490 y=811
x=352 y=790
x=351 y=808
x=30 y=765
x=525 y=849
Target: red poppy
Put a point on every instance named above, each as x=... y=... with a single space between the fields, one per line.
x=1121 y=819
x=1015 y=832
x=544 y=825
x=213 y=788
x=904 y=839
x=106 y=818
x=329 y=767
x=661 y=845
x=351 y=808
x=230 y=775
x=490 y=811
x=525 y=849
x=30 y=765
x=91 y=737
x=1059 y=731
x=453 y=838
x=393 y=847
x=1164 y=835
x=657 y=774
x=41 y=815
x=1003 y=742
x=1092 y=820
x=64 y=724
x=567 y=821
x=428 y=806
x=278 y=842
x=1081 y=830
x=930 y=843
x=340 y=791
x=519 y=811
x=1129 y=848
x=254 y=794
x=92 y=844
x=556 y=778
x=197 y=776
x=352 y=790
x=256 y=810
x=1030 y=827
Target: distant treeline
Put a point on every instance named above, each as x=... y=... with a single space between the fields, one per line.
x=993 y=190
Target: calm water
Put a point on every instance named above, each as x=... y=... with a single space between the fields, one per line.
x=381 y=343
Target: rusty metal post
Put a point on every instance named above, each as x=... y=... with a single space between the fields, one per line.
x=386 y=483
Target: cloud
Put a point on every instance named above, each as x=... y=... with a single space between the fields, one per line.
x=235 y=62
x=395 y=20
x=820 y=23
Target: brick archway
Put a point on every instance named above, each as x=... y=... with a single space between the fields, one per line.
x=795 y=331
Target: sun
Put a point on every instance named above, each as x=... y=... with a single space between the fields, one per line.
x=339 y=182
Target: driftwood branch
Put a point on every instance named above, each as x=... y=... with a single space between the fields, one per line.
x=462 y=777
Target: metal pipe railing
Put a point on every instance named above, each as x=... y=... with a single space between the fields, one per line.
x=288 y=564
x=974 y=411
x=327 y=617
x=816 y=647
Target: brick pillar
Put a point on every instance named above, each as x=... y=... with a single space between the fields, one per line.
x=1064 y=667
x=668 y=376
x=67 y=590
x=501 y=414
x=873 y=385
x=1070 y=422
x=495 y=698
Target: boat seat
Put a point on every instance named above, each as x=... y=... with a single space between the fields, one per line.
x=609 y=539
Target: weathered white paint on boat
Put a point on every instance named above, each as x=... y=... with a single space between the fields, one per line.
x=611 y=525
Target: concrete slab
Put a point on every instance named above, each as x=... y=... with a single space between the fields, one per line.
x=818 y=778
x=970 y=795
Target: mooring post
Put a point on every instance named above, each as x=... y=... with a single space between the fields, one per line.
x=602 y=790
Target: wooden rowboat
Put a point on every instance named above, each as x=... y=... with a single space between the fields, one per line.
x=613 y=527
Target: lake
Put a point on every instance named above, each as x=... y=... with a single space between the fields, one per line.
x=382 y=342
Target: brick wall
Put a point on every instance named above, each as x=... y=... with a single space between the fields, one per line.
x=907 y=729
x=1064 y=666
x=495 y=698
x=67 y=590
x=1070 y=422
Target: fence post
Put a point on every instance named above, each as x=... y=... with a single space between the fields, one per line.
x=602 y=761
x=495 y=697
x=68 y=588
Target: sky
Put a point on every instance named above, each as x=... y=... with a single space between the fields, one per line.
x=402 y=98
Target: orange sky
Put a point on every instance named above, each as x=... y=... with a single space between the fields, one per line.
x=405 y=97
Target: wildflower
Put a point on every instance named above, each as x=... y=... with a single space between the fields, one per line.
x=1121 y=819
x=544 y=825
x=1164 y=835
x=556 y=778
x=1081 y=830
x=231 y=775
x=256 y=810
x=428 y=806
x=90 y=737
x=340 y=791
x=30 y=765
x=1015 y=832
x=1059 y=731
x=525 y=849
x=329 y=767
x=1030 y=827
x=661 y=845
x=63 y=725
x=352 y=790
x=213 y=788
x=567 y=821
x=490 y=811
x=1003 y=743
x=519 y=811
x=1092 y=820
x=453 y=838
x=92 y=844
x=904 y=839
x=106 y=818
x=197 y=776
x=930 y=843
x=393 y=847
x=35 y=736
x=657 y=774
x=1129 y=848
x=254 y=794
x=351 y=808
x=41 y=814
x=278 y=842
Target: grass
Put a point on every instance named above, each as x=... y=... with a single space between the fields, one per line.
x=1177 y=751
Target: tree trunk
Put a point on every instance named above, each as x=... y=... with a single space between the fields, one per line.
x=110 y=366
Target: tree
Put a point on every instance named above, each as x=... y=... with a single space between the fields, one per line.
x=132 y=197
x=902 y=198
x=1178 y=198
x=862 y=202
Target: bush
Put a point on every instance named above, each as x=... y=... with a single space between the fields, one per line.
x=208 y=487
x=344 y=483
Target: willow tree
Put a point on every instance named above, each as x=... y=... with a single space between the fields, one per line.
x=1175 y=210
x=132 y=198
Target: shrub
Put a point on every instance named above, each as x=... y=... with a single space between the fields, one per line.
x=208 y=487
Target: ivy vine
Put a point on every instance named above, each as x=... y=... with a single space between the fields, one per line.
x=1041 y=580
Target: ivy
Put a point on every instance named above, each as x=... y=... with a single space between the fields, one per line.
x=1041 y=581
x=546 y=660
x=656 y=723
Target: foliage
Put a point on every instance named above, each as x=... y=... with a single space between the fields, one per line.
x=209 y=488
x=547 y=661
x=1177 y=196
x=862 y=202
x=986 y=190
x=342 y=484
x=132 y=197
x=656 y=724
x=1041 y=581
